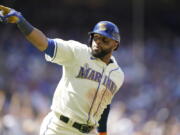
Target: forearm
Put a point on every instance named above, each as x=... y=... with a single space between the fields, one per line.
x=38 y=39
x=32 y=34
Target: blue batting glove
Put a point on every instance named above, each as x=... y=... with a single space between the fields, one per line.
x=9 y=15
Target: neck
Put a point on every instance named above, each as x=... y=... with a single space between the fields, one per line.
x=106 y=59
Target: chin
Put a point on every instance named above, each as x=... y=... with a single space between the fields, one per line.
x=94 y=53
x=98 y=54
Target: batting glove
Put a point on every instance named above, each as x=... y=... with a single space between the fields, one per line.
x=9 y=15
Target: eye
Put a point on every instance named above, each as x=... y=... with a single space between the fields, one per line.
x=95 y=38
x=105 y=40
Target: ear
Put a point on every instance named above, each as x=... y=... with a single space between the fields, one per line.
x=116 y=45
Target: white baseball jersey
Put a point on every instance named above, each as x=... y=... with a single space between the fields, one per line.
x=87 y=85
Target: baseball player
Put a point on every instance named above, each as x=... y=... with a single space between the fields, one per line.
x=91 y=77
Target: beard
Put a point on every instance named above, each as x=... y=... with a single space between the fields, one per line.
x=101 y=53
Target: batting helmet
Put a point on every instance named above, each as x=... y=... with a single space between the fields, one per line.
x=107 y=29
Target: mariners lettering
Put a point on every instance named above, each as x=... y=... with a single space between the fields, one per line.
x=98 y=77
x=109 y=84
x=90 y=74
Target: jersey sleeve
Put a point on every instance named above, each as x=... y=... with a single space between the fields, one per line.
x=65 y=52
x=50 y=49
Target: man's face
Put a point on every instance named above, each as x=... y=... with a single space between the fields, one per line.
x=101 y=46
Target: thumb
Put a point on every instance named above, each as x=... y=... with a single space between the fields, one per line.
x=5 y=10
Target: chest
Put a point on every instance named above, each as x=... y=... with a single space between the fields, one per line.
x=96 y=75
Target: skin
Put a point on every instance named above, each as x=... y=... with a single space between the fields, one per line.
x=102 y=47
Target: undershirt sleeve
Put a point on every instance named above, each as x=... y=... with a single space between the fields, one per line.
x=103 y=121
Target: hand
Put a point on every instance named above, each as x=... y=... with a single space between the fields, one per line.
x=9 y=15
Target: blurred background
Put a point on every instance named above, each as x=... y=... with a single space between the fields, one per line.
x=148 y=102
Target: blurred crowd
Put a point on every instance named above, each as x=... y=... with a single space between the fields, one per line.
x=147 y=104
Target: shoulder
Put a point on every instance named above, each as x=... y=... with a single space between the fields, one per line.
x=78 y=49
x=118 y=70
x=71 y=43
x=121 y=73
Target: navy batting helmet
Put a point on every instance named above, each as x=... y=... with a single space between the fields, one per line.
x=107 y=29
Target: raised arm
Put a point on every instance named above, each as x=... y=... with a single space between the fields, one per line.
x=32 y=34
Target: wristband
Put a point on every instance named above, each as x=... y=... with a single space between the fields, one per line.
x=25 y=27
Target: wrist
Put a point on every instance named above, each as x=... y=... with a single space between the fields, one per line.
x=25 y=27
x=19 y=17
